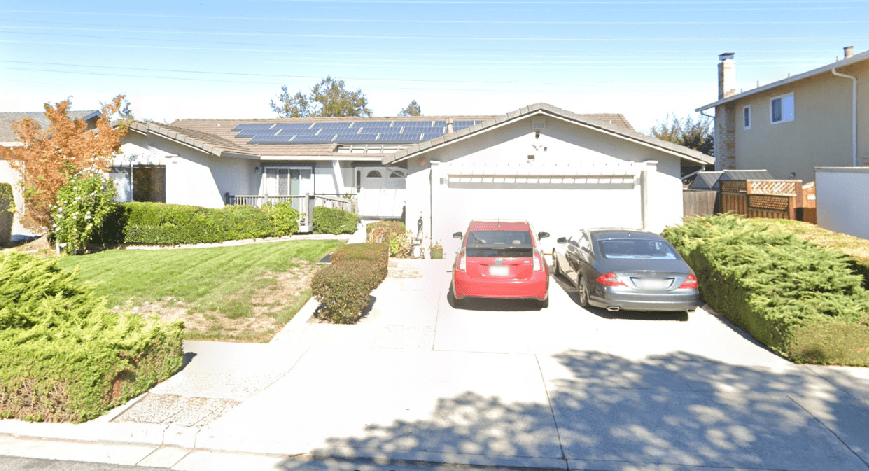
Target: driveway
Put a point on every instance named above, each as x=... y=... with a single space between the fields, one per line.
x=506 y=384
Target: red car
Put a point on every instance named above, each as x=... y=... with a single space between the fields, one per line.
x=502 y=260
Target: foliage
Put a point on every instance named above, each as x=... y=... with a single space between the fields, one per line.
x=7 y=197
x=334 y=221
x=63 y=355
x=82 y=206
x=285 y=218
x=413 y=109
x=210 y=284
x=788 y=293
x=49 y=158
x=7 y=212
x=393 y=234
x=344 y=287
x=697 y=135
x=327 y=98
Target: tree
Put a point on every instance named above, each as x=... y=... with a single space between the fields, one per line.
x=327 y=98
x=412 y=109
x=48 y=159
x=693 y=134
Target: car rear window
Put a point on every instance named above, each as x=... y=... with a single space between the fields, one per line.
x=637 y=248
x=499 y=244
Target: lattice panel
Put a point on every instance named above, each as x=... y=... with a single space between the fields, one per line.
x=773 y=187
x=733 y=186
x=775 y=202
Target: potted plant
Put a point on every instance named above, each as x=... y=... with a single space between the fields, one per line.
x=436 y=250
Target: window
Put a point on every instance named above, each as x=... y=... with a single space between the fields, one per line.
x=746 y=117
x=781 y=109
x=374 y=174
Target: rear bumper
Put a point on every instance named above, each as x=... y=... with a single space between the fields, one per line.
x=668 y=301
x=536 y=287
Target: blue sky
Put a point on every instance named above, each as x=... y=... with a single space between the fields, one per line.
x=641 y=58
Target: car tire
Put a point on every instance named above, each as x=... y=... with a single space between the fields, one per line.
x=453 y=300
x=583 y=292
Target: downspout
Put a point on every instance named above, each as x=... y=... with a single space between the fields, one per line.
x=714 y=135
x=853 y=114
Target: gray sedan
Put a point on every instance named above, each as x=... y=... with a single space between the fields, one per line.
x=626 y=269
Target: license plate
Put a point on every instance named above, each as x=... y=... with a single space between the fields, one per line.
x=652 y=283
x=499 y=270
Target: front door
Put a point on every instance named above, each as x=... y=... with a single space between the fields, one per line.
x=289 y=181
x=381 y=192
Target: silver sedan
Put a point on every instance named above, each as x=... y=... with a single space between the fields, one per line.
x=626 y=269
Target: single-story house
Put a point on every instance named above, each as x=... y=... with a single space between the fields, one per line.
x=818 y=118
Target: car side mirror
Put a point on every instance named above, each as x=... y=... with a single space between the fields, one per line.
x=561 y=240
x=457 y=235
x=541 y=235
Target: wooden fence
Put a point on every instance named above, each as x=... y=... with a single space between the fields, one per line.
x=700 y=202
x=775 y=199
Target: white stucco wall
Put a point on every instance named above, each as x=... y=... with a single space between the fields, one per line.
x=557 y=209
x=192 y=177
x=840 y=193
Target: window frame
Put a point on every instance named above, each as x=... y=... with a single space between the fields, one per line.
x=784 y=116
x=746 y=109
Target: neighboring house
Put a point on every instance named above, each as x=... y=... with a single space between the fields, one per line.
x=557 y=169
x=8 y=138
x=789 y=127
x=840 y=199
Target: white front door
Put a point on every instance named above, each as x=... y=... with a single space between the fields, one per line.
x=381 y=192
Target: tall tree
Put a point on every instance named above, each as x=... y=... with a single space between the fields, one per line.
x=327 y=98
x=693 y=134
x=48 y=158
x=412 y=109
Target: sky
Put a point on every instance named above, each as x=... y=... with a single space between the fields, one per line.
x=641 y=58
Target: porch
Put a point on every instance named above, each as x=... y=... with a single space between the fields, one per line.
x=304 y=204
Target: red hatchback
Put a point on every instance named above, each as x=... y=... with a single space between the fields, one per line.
x=502 y=260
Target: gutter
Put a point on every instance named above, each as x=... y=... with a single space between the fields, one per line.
x=853 y=113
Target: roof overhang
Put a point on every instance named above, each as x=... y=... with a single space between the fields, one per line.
x=820 y=70
x=554 y=112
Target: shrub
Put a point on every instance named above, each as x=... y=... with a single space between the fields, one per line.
x=334 y=221
x=344 y=287
x=285 y=219
x=83 y=204
x=63 y=355
x=392 y=233
x=792 y=295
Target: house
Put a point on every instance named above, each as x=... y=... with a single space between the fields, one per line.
x=789 y=127
x=557 y=169
x=8 y=138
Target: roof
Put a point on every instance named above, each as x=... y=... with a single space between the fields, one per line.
x=705 y=180
x=506 y=225
x=220 y=137
x=8 y=119
x=746 y=175
x=588 y=121
x=820 y=70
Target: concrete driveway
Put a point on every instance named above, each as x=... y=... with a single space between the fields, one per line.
x=506 y=384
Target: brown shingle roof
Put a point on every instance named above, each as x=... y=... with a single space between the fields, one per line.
x=8 y=119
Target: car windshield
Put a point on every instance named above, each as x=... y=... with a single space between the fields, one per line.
x=637 y=248
x=499 y=244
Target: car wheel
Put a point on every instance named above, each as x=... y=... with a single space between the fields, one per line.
x=583 y=292
x=453 y=300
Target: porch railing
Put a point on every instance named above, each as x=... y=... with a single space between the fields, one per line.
x=305 y=204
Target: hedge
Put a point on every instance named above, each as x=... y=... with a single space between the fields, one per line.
x=802 y=301
x=392 y=233
x=343 y=288
x=334 y=221
x=169 y=224
x=63 y=356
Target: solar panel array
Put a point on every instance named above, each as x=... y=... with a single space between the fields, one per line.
x=363 y=132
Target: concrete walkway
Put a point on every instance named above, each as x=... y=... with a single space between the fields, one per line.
x=420 y=385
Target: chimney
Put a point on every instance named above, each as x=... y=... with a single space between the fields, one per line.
x=726 y=75
x=849 y=51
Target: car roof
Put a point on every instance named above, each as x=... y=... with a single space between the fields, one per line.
x=604 y=233
x=498 y=225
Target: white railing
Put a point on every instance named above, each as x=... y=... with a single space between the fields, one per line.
x=260 y=200
x=305 y=204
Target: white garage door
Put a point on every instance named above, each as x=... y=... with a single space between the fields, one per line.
x=558 y=201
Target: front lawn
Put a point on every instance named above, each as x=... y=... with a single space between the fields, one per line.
x=242 y=293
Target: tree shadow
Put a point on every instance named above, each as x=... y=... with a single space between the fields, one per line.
x=602 y=411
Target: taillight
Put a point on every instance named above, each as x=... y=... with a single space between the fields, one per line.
x=537 y=260
x=610 y=279
x=461 y=263
x=689 y=283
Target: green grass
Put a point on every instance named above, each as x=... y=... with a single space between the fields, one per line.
x=225 y=281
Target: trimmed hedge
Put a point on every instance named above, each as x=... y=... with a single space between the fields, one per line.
x=169 y=224
x=344 y=287
x=334 y=221
x=801 y=300
x=63 y=356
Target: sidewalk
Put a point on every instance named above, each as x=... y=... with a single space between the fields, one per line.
x=418 y=382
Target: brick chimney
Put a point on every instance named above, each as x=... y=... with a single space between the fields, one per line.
x=726 y=75
x=849 y=51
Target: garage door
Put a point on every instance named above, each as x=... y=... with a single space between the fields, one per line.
x=557 y=200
